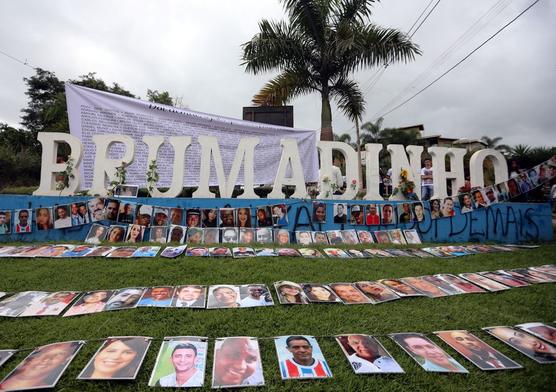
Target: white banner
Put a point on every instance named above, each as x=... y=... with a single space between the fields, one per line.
x=93 y=112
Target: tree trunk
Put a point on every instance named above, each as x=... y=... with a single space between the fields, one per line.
x=326 y=132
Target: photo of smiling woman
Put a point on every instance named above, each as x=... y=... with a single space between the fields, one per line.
x=119 y=358
x=237 y=363
x=42 y=368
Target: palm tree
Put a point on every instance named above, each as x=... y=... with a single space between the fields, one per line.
x=493 y=143
x=318 y=49
x=371 y=131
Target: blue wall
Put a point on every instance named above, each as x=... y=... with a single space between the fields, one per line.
x=507 y=222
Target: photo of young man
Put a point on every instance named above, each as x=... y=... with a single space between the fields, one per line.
x=300 y=357
x=366 y=355
x=237 y=363
x=22 y=222
x=189 y=296
x=533 y=347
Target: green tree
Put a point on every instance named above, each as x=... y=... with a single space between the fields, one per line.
x=160 y=97
x=318 y=49
x=494 y=143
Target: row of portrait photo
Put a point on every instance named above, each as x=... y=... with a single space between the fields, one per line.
x=41 y=303
x=124 y=212
x=89 y=251
x=233 y=235
x=182 y=360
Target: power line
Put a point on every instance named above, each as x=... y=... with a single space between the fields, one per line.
x=17 y=60
x=461 y=61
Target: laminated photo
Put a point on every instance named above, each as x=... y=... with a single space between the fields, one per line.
x=5 y=355
x=237 y=363
x=143 y=215
x=211 y=236
x=78 y=214
x=227 y=217
x=96 y=209
x=22 y=221
x=161 y=216
x=462 y=284
x=265 y=252
x=426 y=353
x=118 y=358
x=334 y=237
x=42 y=368
x=252 y=295
x=123 y=252
x=209 y=217
x=477 y=351
x=310 y=253
x=356 y=214
x=279 y=215
x=243 y=217
x=505 y=279
x=290 y=293
x=340 y=212
x=336 y=253
x=287 y=252
x=172 y=252
x=100 y=251
x=264 y=216
x=158 y=296
x=243 y=251
x=349 y=293
x=405 y=214
x=264 y=235
x=197 y=251
x=399 y=253
x=300 y=357
x=382 y=237
x=349 y=237
x=465 y=202
x=126 y=213
x=400 y=288
x=62 y=217
x=365 y=237
x=194 y=236
x=281 y=236
x=111 y=209
x=78 y=251
x=396 y=237
x=366 y=355
x=126 y=298
x=378 y=253
x=418 y=253
x=491 y=196
x=358 y=254
x=177 y=234
x=540 y=330
x=43 y=219
x=246 y=235
x=412 y=236
x=135 y=233
x=220 y=251
x=5 y=222
x=180 y=363
x=425 y=287
x=303 y=238
x=230 y=235
x=534 y=275
x=51 y=305
x=193 y=217
x=320 y=237
x=316 y=293
x=146 y=251
x=479 y=199
x=435 y=208
x=90 y=302
x=527 y=344
x=376 y=292
x=97 y=234
x=116 y=233
x=126 y=191
x=158 y=234
x=223 y=296
x=443 y=285
x=372 y=216
x=13 y=306
x=176 y=216
x=484 y=282
x=190 y=296
x=319 y=212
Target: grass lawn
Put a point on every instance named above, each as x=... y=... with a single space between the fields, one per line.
x=472 y=311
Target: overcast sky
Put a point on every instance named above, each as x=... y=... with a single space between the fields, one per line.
x=192 y=49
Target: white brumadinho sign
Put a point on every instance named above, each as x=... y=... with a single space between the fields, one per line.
x=92 y=112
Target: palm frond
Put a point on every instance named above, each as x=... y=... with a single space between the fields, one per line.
x=283 y=88
x=349 y=98
x=309 y=16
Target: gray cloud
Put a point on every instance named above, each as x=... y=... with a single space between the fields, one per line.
x=192 y=49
